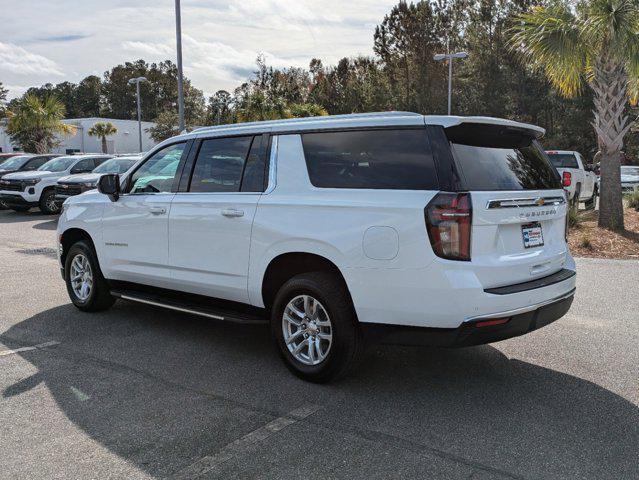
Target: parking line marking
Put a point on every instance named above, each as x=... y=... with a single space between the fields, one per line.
x=240 y=445
x=4 y=353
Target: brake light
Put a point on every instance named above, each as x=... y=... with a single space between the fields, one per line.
x=567 y=178
x=448 y=220
x=492 y=323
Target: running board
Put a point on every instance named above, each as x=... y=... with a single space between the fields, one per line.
x=196 y=305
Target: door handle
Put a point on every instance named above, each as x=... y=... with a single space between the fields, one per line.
x=232 y=212
x=157 y=210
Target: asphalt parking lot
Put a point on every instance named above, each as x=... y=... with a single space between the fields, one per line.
x=138 y=392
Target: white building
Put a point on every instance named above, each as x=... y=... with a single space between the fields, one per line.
x=125 y=141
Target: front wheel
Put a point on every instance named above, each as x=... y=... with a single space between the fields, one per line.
x=87 y=288
x=314 y=327
x=48 y=205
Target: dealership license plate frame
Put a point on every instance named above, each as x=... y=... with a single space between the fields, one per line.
x=537 y=238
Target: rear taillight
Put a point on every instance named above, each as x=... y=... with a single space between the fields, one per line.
x=448 y=219
x=566 y=178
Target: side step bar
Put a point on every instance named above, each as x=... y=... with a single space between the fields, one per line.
x=194 y=305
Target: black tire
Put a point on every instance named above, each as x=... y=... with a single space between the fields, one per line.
x=99 y=297
x=20 y=209
x=574 y=203
x=591 y=204
x=346 y=345
x=47 y=204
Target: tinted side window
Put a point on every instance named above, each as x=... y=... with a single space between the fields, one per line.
x=35 y=163
x=99 y=161
x=85 y=165
x=379 y=159
x=219 y=165
x=255 y=169
x=157 y=173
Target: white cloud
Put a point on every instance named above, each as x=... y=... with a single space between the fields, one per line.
x=149 y=48
x=17 y=60
x=221 y=37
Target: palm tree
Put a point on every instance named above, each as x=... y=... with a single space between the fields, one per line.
x=35 y=124
x=102 y=130
x=595 y=43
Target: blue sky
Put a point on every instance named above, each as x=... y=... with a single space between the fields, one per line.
x=53 y=41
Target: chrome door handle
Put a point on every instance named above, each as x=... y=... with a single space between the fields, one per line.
x=232 y=212
x=157 y=210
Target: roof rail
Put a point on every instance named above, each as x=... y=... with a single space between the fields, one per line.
x=307 y=119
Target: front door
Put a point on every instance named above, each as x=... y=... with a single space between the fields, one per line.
x=210 y=223
x=135 y=227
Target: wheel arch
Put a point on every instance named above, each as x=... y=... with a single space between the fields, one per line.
x=286 y=265
x=70 y=237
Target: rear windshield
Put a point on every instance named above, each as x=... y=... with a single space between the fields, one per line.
x=563 y=160
x=498 y=158
x=370 y=159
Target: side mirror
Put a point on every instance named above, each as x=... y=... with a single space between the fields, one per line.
x=109 y=185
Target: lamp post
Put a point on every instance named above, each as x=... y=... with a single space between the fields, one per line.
x=180 y=82
x=449 y=56
x=137 y=81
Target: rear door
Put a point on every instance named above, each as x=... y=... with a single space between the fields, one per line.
x=211 y=218
x=518 y=204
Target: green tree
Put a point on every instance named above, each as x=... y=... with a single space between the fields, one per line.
x=3 y=98
x=102 y=130
x=35 y=124
x=88 y=97
x=597 y=44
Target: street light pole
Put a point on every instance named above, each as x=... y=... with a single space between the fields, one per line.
x=449 y=56
x=137 y=81
x=180 y=84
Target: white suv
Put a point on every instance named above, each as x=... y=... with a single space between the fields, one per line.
x=22 y=190
x=391 y=227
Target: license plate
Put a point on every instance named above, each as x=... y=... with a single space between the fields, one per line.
x=532 y=235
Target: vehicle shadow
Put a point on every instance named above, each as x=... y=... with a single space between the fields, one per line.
x=161 y=390
x=48 y=225
x=11 y=216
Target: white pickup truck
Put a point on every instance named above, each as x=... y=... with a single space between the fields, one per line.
x=578 y=180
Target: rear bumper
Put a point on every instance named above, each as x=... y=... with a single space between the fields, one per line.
x=472 y=332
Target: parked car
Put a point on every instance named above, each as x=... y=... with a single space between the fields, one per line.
x=22 y=163
x=81 y=182
x=7 y=156
x=629 y=178
x=395 y=227
x=22 y=190
x=577 y=177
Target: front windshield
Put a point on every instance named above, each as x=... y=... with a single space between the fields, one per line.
x=14 y=163
x=630 y=170
x=115 y=165
x=59 y=164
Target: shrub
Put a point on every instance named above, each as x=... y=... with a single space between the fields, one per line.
x=585 y=242
x=573 y=218
x=633 y=200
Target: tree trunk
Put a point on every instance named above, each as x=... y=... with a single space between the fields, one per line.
x=104 y=145
x=609 y=84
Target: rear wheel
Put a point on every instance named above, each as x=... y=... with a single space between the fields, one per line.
x=314 y=327
x=592 y=202
x=48 y=205
x=574 y=203
x=87 y=288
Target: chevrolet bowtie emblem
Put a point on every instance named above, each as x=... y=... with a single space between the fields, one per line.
x=540 y=201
